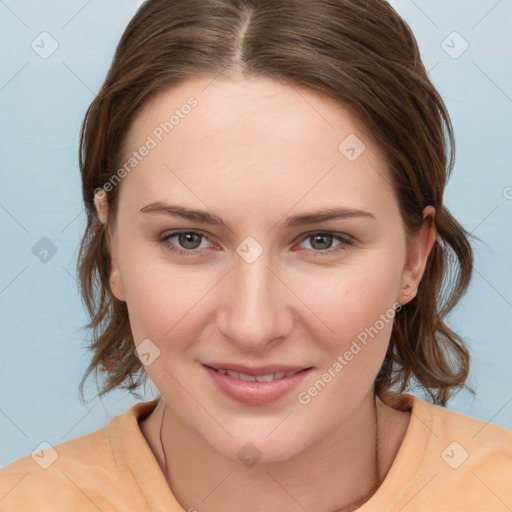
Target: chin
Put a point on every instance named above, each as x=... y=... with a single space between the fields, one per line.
x=261 y=448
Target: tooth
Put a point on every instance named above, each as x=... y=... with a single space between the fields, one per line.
x=247 y=378
x=265 y=378
x=260 y=378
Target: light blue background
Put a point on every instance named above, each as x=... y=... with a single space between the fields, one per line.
x=42 y=102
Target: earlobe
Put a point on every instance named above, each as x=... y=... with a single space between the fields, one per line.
x=116 y=283
x=418 y=251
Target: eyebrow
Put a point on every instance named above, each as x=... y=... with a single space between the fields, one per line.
x=205 y=217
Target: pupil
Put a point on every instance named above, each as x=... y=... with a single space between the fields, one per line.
x=187 y=240
x=325 y=241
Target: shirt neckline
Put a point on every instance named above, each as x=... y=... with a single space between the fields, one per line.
x=158 y=495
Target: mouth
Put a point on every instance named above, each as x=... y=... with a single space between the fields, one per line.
x=255 y=386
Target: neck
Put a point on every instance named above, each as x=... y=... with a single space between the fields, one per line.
x=341 y=468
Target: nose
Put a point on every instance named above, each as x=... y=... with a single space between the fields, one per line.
x=255 y=309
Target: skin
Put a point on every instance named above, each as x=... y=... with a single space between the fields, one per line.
x=253 y=152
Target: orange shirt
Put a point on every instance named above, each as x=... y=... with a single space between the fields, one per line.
x=447 y=462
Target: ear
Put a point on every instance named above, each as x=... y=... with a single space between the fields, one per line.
x=116 y=283
x=418 y=249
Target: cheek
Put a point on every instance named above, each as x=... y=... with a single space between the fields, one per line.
x=169 y=304
x=349 y=299
x=160 y=297
x=360 y=311
x=357 y=307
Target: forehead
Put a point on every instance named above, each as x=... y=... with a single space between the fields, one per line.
x=254 y=139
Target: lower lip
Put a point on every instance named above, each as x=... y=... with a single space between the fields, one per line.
x=255 y=393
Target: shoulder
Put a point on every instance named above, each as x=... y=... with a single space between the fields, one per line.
x=450 y=461
x=45 y=476
x=473 y=458
x=482 y=441
x=445 y=425
x=71 y=474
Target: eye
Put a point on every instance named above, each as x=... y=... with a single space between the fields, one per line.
x=186 y=242
x=322 y=242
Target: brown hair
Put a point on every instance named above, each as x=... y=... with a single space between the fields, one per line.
x=361 y=54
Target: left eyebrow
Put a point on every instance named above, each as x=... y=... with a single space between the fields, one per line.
x=327 y=214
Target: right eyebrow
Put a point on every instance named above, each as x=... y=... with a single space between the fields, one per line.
x=186 y=213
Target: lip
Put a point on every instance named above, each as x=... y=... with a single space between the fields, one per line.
x=256 y=393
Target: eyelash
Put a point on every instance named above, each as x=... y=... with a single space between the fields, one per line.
x=344 y=240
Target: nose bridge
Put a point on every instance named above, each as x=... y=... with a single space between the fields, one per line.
x=255 y=311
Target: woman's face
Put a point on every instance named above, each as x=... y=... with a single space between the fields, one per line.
x=297 y=258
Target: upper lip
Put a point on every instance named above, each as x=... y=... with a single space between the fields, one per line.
x=256 y=371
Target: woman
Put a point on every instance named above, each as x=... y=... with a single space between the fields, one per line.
x=266 y=241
